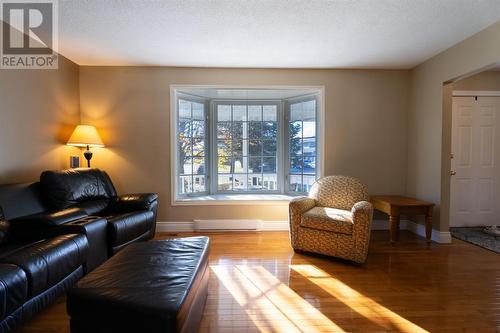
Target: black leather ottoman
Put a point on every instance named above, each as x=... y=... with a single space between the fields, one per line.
x=157 y=286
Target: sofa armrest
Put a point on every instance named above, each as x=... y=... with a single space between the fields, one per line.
x=132 y=202
x=49 y=219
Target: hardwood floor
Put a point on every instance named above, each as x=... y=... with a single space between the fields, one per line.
x=258 y=284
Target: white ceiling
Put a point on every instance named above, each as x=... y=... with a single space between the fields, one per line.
x=267 y=33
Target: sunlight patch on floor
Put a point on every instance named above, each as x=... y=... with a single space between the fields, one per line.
x=260 y=293
x=363 y=305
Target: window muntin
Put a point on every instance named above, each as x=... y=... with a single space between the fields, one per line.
x=247 y=136
x=302 y=154
x=192 y=148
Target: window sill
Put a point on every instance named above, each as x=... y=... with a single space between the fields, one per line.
x=235 y=199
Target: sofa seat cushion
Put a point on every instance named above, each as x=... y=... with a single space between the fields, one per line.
x=13 y=289
x=328 y=219
x=49 y=261
x=123 y=228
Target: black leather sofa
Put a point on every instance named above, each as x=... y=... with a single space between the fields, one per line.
x=34 y=272
x=54 y=231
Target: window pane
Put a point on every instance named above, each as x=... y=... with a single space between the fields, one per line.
x=186 y=167
x=240 y=182
x=198 y=113
x=295 y=147
x=199 y=183
x=186 y=184
x=225 y=183
x=309 y=129
x=308 y=182
x=240 y=147
x=184 y=128
x=238 y=130
x=296 y=129
x=184 y=109
x=198 y=128
x=270 y=182
x=255 y=130
x=255 y=182
x=296 y=112
x=240 y=164
x=254 y=112
x=224 y=130
x=239 y=112
x=295 y=183
x=199 y=165
x=185 y=147
x=269 y=147
x=223 y=112
x=269 y=130
x=198 y=147
x=224 y=147
x=309 y=110
x=255 y=164
x=270 y=113
x=269 y=164
x=296 y=165
x=309 y=165
x=255 y=147
x=309 y=146
x=224 y=164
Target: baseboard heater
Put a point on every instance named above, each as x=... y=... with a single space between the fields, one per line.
x=227 y=225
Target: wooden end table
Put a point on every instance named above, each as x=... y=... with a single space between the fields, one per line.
x=395 y=206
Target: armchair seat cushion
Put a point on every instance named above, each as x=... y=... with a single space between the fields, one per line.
x=328 y=219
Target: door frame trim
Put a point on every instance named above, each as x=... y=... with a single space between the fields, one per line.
x=474 y=93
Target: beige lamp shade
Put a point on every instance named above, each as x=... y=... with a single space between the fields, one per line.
x=85 y=135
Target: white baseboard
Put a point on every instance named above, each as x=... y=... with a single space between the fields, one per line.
x=419 y=229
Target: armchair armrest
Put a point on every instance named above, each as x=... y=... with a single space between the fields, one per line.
x=132 y=202
x=301 y=205
x=297 y=207
x=362 y=211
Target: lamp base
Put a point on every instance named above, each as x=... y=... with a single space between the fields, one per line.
x=88 y=156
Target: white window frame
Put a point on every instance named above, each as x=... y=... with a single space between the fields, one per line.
x=241 y=198
x=319 y=153
x=213 y=143
x=196 y=99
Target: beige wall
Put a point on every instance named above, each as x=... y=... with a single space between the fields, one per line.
x=365 y=133
x=488 y=80
x=38 y=111
x=429 y=128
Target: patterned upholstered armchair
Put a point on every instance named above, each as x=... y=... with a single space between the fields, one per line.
x=335 y=219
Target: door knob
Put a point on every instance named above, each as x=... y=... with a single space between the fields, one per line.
x=453 y=173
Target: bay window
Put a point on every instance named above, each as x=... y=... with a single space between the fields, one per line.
x=243 y=146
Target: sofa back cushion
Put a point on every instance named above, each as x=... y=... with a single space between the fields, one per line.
x=19 y=200
x=63 y=189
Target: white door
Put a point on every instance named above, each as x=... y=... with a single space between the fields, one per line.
x=475 y=186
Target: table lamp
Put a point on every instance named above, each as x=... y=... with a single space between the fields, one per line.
x=85 y=136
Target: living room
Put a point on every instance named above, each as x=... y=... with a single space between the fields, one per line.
x=300 y=149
